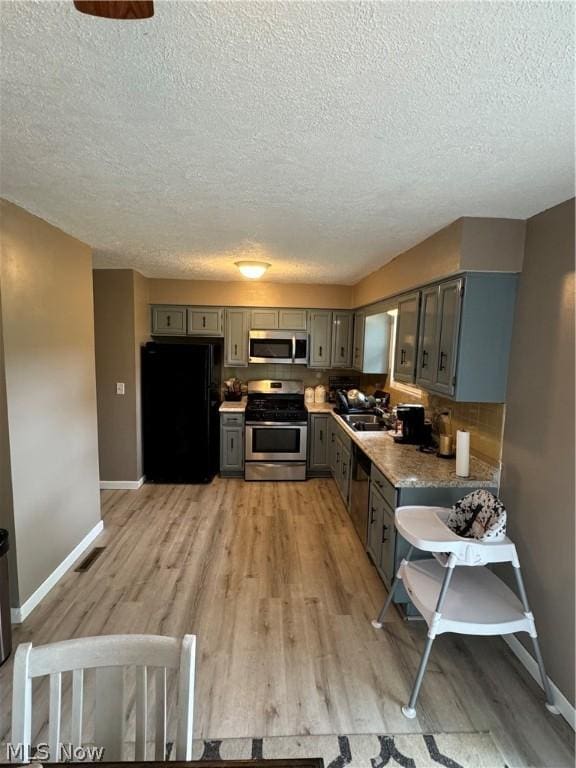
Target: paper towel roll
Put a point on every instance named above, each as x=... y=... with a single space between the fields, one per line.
x=462 y=453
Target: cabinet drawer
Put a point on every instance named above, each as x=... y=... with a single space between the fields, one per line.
x=232 y=419
x=169 y=321
x=384 y=486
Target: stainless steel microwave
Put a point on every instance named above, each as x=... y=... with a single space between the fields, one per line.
x=278 y=347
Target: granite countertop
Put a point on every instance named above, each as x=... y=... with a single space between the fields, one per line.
x=320 y=407
x=229 y=406
x=406 y=466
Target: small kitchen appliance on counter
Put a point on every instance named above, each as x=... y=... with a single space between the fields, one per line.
x=276 y=431
x=412 y=418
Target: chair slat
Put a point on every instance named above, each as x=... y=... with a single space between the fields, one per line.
x=54 y=717
x=160 y=735
x=22 y=698
x=141 y=712
x=77 y=706
x=109 y=713
x=186 y=698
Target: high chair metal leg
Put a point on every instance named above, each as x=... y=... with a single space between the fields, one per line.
x=550 y=705
x=377 y=623
x=409 y=710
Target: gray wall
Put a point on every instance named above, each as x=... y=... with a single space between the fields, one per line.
x=538 y=453
x=50 y=397
x=121 y=321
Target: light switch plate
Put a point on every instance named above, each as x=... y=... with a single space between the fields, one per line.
x=120 y=388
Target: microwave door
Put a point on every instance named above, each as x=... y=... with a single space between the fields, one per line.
x=271 y=350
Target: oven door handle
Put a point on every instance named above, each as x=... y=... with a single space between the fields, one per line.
x=293 y=348
x=277 y=425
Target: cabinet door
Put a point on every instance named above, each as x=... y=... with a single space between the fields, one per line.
x=292 y=319
x=345 y=462
x=232 y=449
x=204 y=322
x=320 y=326
x=264 y=319
x=342 y=326
x=358 y=351
x=236 y=338
x=333 y=448
x=318 y=457
x=375 y=517
x=428 y=337
x=168 y=321
x=387 y=545
x=449 y=320
x=406 y=337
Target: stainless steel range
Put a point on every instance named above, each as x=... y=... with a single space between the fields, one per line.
x=276 y=431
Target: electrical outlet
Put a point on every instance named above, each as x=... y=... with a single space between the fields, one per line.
x=120 y=388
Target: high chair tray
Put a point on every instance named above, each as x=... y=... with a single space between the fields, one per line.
x=477 y=601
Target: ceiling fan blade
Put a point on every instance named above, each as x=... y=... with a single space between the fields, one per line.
x=116 y=9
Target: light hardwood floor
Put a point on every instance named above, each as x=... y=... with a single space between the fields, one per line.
x=273 y=580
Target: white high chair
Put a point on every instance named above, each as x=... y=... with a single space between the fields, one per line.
x=471 y=600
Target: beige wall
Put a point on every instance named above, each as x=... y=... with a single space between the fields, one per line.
x=435 y=257
x=247 y=293
x=538 y=455
x=48 y=335
x=121 y=317
x=475 y=244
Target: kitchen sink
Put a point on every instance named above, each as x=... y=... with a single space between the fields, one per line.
x=364 y=422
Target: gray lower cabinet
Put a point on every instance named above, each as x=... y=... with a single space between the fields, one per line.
x=236 y=337
x=340 y=459
x=205 y=321
x=318 y=444
x=168 y=321
x=231 y=444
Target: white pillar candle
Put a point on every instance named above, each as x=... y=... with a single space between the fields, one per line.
x=462 y=453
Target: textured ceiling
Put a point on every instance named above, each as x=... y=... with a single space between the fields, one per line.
x=322 y=137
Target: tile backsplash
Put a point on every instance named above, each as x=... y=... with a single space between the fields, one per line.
x=484 y=421
x=310 y=376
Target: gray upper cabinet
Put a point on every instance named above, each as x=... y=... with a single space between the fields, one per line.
x=320 y=328
x=236 y=337
x=205 y=321
x=318 y=445
x=263 y=319
x=168 y=321
x=292 y=319
x=406 y=337
x=448 y=326
x=342 y=339
x=371 y=352
x=428 y=337
x=358 y=344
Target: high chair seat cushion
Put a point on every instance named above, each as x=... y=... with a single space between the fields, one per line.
x=479 y=515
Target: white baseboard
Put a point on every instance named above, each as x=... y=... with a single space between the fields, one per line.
x=121 y=485
x=19 y=614
x=566 y=709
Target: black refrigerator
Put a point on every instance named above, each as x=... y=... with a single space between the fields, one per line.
x=180 y=403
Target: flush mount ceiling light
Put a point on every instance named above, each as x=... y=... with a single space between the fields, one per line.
x=252 y=269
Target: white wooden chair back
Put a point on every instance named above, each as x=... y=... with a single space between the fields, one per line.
x=108 y=655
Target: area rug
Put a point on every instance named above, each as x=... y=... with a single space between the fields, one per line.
x=454 y=750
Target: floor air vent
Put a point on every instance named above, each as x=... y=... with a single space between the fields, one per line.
x=90 y=559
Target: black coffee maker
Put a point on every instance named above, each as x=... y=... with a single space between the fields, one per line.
x=412 y=418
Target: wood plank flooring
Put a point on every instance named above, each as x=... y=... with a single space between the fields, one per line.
x=273 y=580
